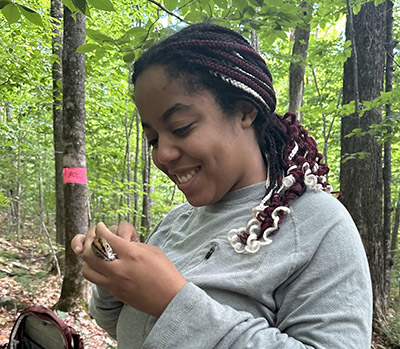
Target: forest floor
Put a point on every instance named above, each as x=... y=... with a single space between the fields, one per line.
x=25 y=280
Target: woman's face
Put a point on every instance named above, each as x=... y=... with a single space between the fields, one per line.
x=193 y=142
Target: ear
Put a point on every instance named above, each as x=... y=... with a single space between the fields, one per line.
x=247 y=111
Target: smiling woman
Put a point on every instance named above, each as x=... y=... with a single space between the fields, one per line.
x=205 y=153
x=261 y=255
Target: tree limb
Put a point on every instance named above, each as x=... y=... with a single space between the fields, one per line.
x=167 y=11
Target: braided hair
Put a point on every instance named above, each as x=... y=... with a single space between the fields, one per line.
x=214 y=58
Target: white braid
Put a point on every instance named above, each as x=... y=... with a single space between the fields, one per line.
x=242 y=87
x=253 y=227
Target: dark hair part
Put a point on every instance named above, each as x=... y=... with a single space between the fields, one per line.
x=217 y=59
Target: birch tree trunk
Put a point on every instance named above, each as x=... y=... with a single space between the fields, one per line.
x=56 y=15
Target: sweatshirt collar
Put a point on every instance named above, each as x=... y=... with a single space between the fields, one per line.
x=251 y=195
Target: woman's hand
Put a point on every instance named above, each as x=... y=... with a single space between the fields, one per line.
x=125 y=230
x=142 y=276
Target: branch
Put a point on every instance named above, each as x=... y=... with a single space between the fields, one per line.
x=167 y=11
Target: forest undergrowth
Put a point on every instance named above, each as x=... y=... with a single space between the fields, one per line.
x=26 y=278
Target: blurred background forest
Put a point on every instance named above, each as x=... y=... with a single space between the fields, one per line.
x=66 y=102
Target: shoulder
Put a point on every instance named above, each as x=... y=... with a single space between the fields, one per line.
x=319 y=222
x=320 y=210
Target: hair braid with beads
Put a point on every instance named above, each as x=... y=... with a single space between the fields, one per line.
x=217 y=59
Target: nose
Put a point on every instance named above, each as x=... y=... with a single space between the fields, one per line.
x=165 y=152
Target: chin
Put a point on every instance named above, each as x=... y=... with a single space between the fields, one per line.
x=198 y=202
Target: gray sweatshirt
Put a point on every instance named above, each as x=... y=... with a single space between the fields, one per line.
x=310 y=288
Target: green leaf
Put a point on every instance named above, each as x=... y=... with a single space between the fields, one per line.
x=100 y=53
x=250 y=11
x=4 y=3
x=11 y=13
x=87 y=48
x=97 y=36
x=240 y=4
x=254 y=25
x=3 y=200
x=357 y=8
x=222 y=4
x=348 y=52
x=70 y=5
x=171 y=4
x=257 y=3
x=347 y=43
x=105 y=5
x=31 y=15
x=129 y=57
x=81 y=5
x=136 y=33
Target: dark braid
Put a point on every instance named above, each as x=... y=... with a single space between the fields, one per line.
x=217 y=59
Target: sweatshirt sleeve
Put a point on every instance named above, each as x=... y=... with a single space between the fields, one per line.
x=325 y=303
x=105 y=309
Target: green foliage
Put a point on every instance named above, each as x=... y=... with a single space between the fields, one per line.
x=117 y=33
x=12 y=12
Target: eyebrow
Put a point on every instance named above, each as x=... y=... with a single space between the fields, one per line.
x=170 y=111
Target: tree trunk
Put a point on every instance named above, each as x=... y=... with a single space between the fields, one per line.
x=41 y=201
x=298 y=65
x=18 y=184
x=361 y=177
x=387 y=155
x=395 y=230
x=136 y=169
x=56 y=14
x=8 y=112
x=75 y=192
x=127 y=165
x=146 y=205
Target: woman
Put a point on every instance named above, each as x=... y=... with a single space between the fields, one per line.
x=262 y=255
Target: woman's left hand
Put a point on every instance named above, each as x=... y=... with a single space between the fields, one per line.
x=142 y=276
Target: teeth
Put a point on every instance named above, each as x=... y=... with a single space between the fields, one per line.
x=187 y=178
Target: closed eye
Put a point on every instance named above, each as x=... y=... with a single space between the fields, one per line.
x=153 y=142
x=183 y=130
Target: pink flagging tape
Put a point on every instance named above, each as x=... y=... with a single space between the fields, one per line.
x=75 y=175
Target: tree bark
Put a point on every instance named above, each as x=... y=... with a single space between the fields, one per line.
x=136 y=169
x=395 y=230
x=146 y=204
x=9 y=115
x=56 y=15
x=361 y=178
x=127 y=165
x=298 y=65
x=75 y=192
x=18 y=184
x=387 y=154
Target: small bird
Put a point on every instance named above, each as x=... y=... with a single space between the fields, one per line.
x=101 y=248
